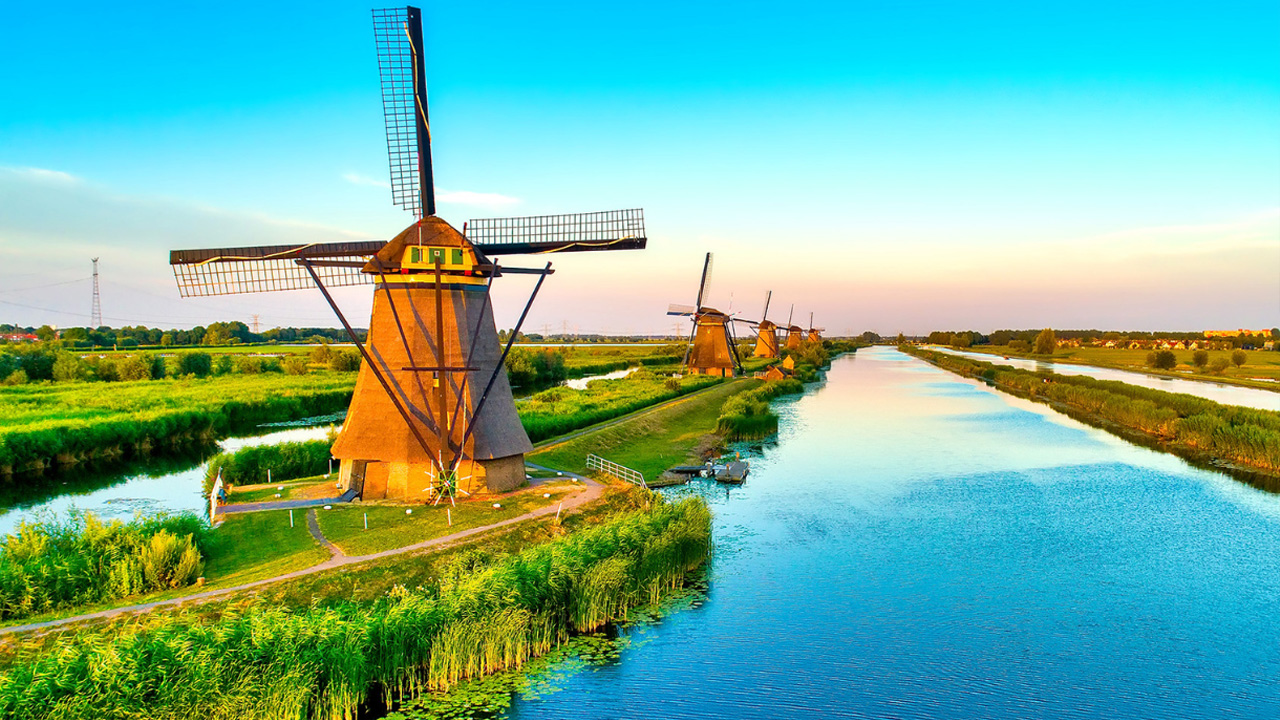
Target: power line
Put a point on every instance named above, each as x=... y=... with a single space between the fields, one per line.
x=48 y=285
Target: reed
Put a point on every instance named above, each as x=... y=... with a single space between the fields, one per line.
x=747 y=416
x=1244 y=435
x=80 y=560
x=265 y=661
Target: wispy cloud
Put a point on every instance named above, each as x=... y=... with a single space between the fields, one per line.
x=358 y=179
x=42 y=175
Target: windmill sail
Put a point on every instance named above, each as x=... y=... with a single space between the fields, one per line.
x=398 y=35
x=705 y=284
x=576 y=232
x=266 y=268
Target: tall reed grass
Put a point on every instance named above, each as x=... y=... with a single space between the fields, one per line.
x=286 y=461
x=1245 y=435
x=80 y=560
x=747 y=416
x=268 y=662
x=562 y=409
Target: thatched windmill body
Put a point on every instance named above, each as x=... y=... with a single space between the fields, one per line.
x=795 y=333
x=711 y=349
x=432 y=412
x=766 y=331
x=815 y=333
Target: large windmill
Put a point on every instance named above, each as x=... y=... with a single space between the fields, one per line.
x=766 y=331
x=432 y=412
x=711 y=349
x=795 y=333
x=815 y=333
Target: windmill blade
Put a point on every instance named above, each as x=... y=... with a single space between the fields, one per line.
x=791 y=314
x=810 y=321
x=577 y=232
x=706 y=280
x=683 y=310
x=265 y=268
x=768 y=296
x=744 y=321
x=397 y=33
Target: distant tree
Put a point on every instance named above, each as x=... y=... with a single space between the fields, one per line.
x=1046 y=342
x=321 y=354
x=1200 y=358
x=1162 y=360
x=157 y=367
x=106 y=371
x=869 y=337
x=961 y=340
x=1019 y=345
x=68 y=368
x=902 y=339
x=1239 y=357
x=1219 y=365
x=46 y=333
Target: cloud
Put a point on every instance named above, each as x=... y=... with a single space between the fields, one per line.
x=476 y=199
x=42 y=175
x=358 y=179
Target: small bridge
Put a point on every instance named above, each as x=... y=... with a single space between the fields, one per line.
x=613 y=469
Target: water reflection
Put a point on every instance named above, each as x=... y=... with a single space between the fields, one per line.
x=917 y=545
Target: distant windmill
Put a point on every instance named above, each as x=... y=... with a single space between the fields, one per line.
x=766 y=331
x=815 y=333
x=711 y=349
x=795 y=333
x=432 y=413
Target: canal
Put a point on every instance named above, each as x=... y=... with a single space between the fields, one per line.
x=917 y=545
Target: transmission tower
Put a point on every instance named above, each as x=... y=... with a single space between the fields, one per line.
x=95 y=316
x=253 y=325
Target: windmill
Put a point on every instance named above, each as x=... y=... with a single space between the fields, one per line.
x=815 y=333
x=794 y=332
x=766 y=331
x=712 y=349
x=432 y=414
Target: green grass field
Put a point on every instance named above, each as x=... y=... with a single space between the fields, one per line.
x=1260 y=365
x=649 y=442
x=253 y=546
x=301 y=489
x=391 y=527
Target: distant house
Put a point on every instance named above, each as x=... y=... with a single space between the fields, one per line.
x=1235 y=333
x=19 y=337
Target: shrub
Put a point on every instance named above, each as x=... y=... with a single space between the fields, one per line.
x=1046 y=342
x=199 y=364
x=106 y=371
x=345 y=361
x=1219 y=365
x=1239 y=357
x=295 y=366
x=223 y=365
x=286 y=461
x=322 y=354
x=135 y=367
x=17 y=377
x=1200 y=358
x=68 y=368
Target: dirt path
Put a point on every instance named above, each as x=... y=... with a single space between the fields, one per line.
x=337 y=559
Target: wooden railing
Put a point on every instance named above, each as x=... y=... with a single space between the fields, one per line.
x=613 y=469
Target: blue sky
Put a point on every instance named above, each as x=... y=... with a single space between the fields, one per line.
x=897 y=166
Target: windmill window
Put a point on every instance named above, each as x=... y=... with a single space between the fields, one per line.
x=457 y=256
x=415 y=254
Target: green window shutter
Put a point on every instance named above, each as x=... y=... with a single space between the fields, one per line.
x=457 y=256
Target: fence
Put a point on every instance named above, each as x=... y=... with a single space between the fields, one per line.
x=607 y=467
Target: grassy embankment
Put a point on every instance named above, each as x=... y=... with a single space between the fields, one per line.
x=1261 y=369
x=69 y=423
x=1195 y=426
x=479 y=614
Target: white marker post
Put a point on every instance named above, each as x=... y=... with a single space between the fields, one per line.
x=448 y=516
x=290 y=517
x=558 y=509
x=366 y=521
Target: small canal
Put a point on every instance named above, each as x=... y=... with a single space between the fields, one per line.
x=1207 y=389
x=917 y=545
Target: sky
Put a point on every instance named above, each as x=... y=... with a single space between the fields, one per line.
x=897 y=166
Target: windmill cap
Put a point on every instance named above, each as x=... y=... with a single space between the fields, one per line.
x=430 y=230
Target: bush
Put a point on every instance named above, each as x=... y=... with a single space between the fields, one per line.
x=295 y=366
x=223 y=365
x=199 y=364
x=17 y=377
x=135 y=367
x=1219 y=365
x=106 y=371
x=1046 y=342
x=321 y=355
x=1200 y=358
x=68 y=368
x=1239 y=358
x=345 y=361
x=287 y=461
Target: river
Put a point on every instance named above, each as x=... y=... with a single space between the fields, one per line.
x=1207 y=389
x=918 y=545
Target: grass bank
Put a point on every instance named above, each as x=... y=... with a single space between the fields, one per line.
x=651 y=441
x=1237 y=435
x=65 y=424
x=480 y=615
x=562 y=409
x=1261 y=369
